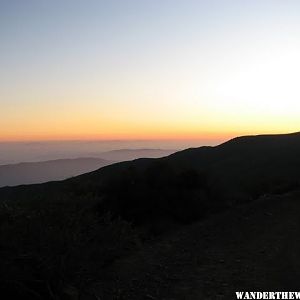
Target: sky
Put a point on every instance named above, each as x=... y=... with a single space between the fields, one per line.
x=138 y=69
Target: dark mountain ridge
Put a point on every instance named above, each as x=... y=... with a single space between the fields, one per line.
x=185 y=185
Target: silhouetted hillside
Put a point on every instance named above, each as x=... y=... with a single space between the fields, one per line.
x=95 y=234
x=188 y=184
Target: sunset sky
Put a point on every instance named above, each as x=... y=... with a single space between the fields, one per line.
x=138 y=69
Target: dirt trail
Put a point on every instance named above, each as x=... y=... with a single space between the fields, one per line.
x=255 y=247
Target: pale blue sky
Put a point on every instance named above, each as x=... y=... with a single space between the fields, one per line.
x=71 y=69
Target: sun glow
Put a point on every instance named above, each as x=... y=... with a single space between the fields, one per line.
x=197 y=71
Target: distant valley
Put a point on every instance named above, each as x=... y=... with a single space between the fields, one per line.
x=59 y=169
x=52 y=170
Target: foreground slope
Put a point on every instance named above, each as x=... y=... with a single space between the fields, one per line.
x=254 y=247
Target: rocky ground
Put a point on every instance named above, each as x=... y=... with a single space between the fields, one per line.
x=254 y=247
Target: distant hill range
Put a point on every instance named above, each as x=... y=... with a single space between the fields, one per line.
x=52 y=170
x=130 y=154
x=59 y=169
x=186 y=185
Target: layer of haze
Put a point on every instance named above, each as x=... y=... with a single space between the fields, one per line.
x=160 y=69
x=16 y=152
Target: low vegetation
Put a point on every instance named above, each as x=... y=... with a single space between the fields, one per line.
x=57 y=252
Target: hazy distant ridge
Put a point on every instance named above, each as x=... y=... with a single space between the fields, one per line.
x=130 y=154
x=59 y=169
x=52 y=170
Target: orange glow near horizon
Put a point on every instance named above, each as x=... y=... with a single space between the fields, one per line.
x=143 y=135
x=156 y=70
x=214 y=122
